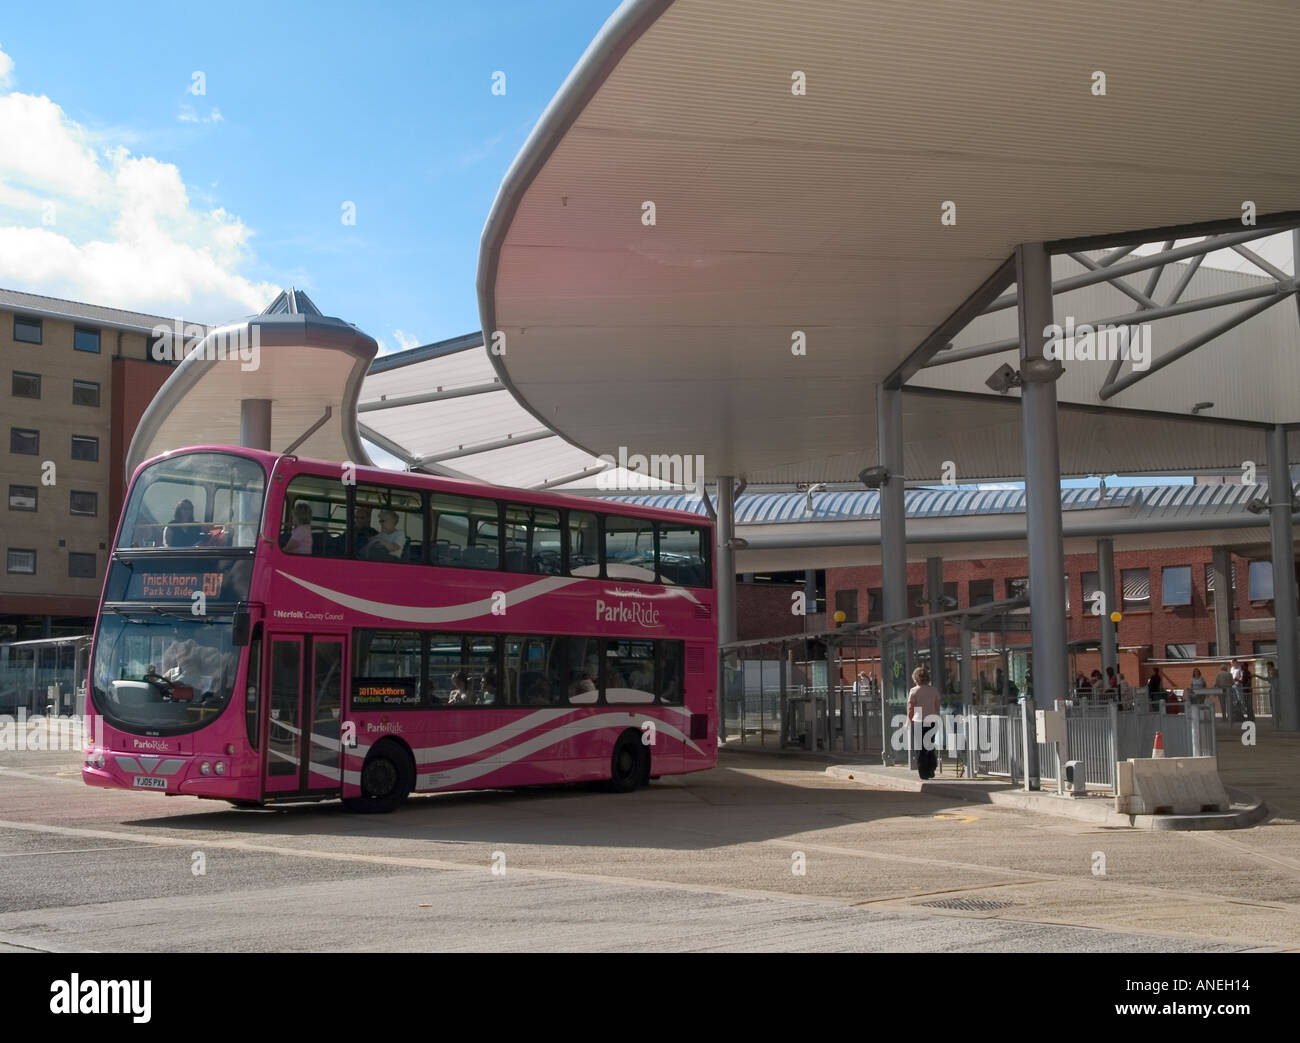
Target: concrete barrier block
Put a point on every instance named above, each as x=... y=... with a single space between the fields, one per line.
x=1124 y=778
x=1170 y=786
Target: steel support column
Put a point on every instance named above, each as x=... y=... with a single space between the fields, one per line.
x=968 y=693
x=725 y=565
x=934 y=592
x=1042 y=483
x=1106 y=584
x=1224 y=598
x=255 y=423
x=895 y=669
x=1286 y=708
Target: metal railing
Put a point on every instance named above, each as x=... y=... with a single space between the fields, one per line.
x=1098 y=736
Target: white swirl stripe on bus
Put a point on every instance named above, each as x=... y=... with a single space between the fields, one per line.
x=468 y=747
x=476 y=769
x=469 y=610
x=541 y=741
x=433 y=613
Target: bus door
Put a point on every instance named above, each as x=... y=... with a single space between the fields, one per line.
x=301 y=729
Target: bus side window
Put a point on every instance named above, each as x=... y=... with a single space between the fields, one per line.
x=629 y=548
x=681 y=555
x=583 y=536
x=388 y=524
x=463 y=532
x=314 y=519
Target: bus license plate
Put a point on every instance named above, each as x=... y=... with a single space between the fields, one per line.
x=148 y=782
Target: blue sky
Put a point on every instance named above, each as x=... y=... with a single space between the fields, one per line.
x=134 y=191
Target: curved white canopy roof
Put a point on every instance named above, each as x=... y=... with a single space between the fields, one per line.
x=776 y=212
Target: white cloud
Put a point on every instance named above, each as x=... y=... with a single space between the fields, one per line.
x=188 y=115
x=6 y=69
x=98 y=224
x=405 y=340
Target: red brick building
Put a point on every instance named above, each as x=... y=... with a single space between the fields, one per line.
x=1166 y=599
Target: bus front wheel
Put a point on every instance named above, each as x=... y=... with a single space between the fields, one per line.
x=629 y=765
x=387 y=778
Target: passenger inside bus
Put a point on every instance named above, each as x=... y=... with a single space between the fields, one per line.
x=182 y=531
x=300 y=538
x=362 y=533
x=587 y=680
x=459 y=689
x=538 y=693
x=386 y=544
x=489 y=696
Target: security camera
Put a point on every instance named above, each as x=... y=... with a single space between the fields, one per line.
x=1004 y=379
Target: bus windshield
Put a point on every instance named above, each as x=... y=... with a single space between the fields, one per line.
x=195 y=500
x=162 y=673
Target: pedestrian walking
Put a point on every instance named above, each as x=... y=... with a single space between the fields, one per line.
x=1247 y=685
x=1223 y=682
x=923 y=719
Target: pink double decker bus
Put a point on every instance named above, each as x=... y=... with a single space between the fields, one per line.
x=278 y=629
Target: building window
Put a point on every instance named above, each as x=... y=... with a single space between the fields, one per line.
x=84 y=447
x=846 y=601
x=26 y=385
x=81 y=566
x=1136 y=585
x=83 y=503
x=1176 y=585
x=1018 y=587
x=20 y=561
x=25 y=441
x=27 y=330
x=1261 y=581
x=1180 y=651
x=86 y=340
x=1264 y=647
x=981 y=591
x=916 y=602
x=22 y=497
x=875 y=605
x=85 y=393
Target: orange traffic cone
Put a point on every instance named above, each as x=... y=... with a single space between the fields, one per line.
x=1158 y=750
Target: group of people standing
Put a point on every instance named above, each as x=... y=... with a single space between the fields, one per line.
x=1233 y=680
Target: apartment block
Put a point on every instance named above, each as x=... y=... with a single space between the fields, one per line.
x=76 y=379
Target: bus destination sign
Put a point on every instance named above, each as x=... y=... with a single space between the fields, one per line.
x=180 y=584
x=391 y=692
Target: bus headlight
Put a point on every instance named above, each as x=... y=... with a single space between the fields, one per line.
x=205 y=768
x=221 y=767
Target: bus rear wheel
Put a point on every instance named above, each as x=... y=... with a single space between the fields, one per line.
x=629 y=765
x=387 y=778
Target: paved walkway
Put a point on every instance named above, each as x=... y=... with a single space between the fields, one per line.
x=1261 y=779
